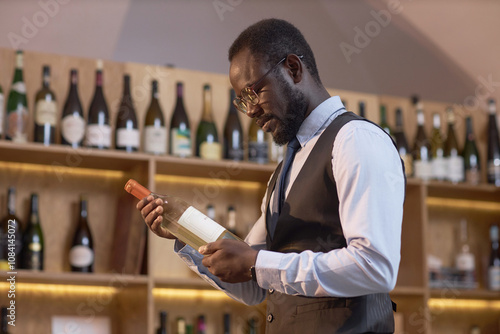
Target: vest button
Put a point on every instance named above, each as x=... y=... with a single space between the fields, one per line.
x=270 y=317
x=271 y=291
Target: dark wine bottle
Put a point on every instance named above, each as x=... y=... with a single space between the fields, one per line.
x=98 y=134
x=227 y=323
x=383 y=120
x=127 y=129
x=494 y=260
x=2 y=111
x=163 y=323
x=11 y=235
x=180 y=131
x=454 y=161
x=33 y=248
x=258 y=145
x=361 y=109
x=438 y=162
x=17 y=106
x=472 y=162
x=45 y=111
x=4 y=321
x=207 y=139
x=231 y=220
x=155 y=132
x=402 y=143
x=422 y=147
x=233 y=133
x=493 y=146
x=73 y=122
x=81 y=254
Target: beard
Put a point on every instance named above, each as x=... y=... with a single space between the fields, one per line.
x=296 y=108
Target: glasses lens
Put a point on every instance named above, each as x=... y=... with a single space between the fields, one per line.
x=249 y=95
x=240 y=105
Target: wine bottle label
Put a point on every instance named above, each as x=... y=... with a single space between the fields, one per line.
x=210 y=151
x=127 y=137
x=98 y=135
x=155 y=139
x=46 y=112
x=493 y=171
x=472 y=176
x=494 y=278
x=81 y=256
x=438 y=168
x=408 y=161
x=17 y=125
x=423 y=169
x=73 y=128
x=181 y=142
x=235 y=154
x=465 y=262
x=200 y=225
x=2 y=101
x=19 y=87
x=35 y=247
x=258 y=152
x=455 y=168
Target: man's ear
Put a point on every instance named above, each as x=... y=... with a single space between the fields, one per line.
x=295 y=67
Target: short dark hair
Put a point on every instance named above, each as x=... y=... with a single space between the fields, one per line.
x=273 y=39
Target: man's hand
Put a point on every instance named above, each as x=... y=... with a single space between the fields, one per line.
x=151 y=211
x=229 y=260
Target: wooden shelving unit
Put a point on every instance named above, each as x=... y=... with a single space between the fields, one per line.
x=132 y=299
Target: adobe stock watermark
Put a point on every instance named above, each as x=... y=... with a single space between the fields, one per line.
x=372 y=29
x=30 y=27
x=223 y=6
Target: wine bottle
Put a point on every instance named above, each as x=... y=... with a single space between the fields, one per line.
x=454 y=161
x=494 y=261
x=163 y=323
x=181 y=325
x=17 y=106
x=73 y=122
x=464 y=260
x=233 y=133
x=155 y=132
x=437 y=148
x=402 y=143
x=361 y=109
x=258 y=145
x=383 y=120
x=11 y=234
x=4 y=321
x=210 y=211
x=493 y=146
x=227 y=323
x=231 y=220
x=45 y=111
x=180 y=131
x=421 y=148
x=127 y=129
x=252 y=326
x=98 y=134
x=182 y=220
x=201 y=327
x=472 y=162
x=207 y=140
x=33 y=239
x=81 y=254
x=2 y=112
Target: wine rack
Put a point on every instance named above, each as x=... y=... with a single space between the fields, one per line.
x=132 y=283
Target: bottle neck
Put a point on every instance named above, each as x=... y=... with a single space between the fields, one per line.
x=11 y=201
x=436 y=121
x=383 y=118
x=399 y=119
x=180 y=93
x=126 y=87
x=83 y=208
x=207 y=104
x=98 y=83
x=469 y=131
x=420 y=117
x=73 y=80
x=232 y=108
x=34 y=209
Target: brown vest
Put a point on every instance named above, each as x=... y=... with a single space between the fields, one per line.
x=309 y=220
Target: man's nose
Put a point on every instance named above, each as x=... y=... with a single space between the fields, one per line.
x=254 y=110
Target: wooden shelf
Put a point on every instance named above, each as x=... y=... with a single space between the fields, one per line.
x=408 y=291
x=465 y=294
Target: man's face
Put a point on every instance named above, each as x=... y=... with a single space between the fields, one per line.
x=281 y=108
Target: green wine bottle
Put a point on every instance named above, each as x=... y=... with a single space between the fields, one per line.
x=180 y=131
x=45 y=111
x=155 y=132
x=454 y=161
x=472 y=161
x=422 y=148
x=11 y=229
x=383 y=120
x=402 y=143
x=233 y=133
x=437 y=149
x=258 y=145
x=33 y=239
x=17 y=106
x=2 y=112
x=493 y=146
x=207 y=139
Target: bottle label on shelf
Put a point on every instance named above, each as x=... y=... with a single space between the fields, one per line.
x=423 y=169
x=17 y=124
x=155 y=139
x=98 y=135
x=81 y=256
x=19 y=87
x=438 y=168
x=465 y=262
x=200 y=225
x=73 y=128
x=494 y=172
x=127 y=137
x=455 y=168
x=35 y=247
x=2 y=101
x=494 y=278
x=181 y=142
x=46 y=112
x=473 y=176
x=258 y=152
x=210 y=151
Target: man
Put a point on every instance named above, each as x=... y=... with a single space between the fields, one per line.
x=326 y=248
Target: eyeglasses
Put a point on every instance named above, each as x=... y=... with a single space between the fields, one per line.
x=249 y=95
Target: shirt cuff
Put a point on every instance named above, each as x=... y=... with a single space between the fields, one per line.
x=267 y=269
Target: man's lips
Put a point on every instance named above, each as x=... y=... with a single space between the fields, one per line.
x=264 y=123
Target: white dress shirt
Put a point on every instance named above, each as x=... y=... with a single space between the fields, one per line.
x=370 y=187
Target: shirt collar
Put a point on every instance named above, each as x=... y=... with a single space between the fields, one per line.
x=319 y=118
